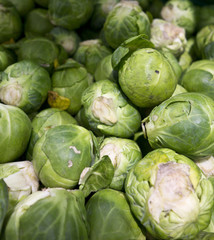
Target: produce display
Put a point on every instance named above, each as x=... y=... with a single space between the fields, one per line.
x=106 y=120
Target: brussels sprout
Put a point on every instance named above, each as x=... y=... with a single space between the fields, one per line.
x=49 y=214
x=124 y=153
x=199 y=77
x=44 y=120
x=3 y=202
x=101 y=11
x=11 y=24
x=61 y=154
x=20 y=179
x=125 y=20
x=179 y=89
x=90 y=53
x=37 y=23
x=205 y=42
x=15 y=130
x=150 y=83
x=42 y=3
x=23 y=6
x=181 y=13
x=69 y=40
x=25 y=84
x=70 y=80
x=205 y=16
x=108 y=112
x=104 y=70
x=109 y=217
x=7 y=58
x=70 y=14
x=173 y=122
x=41 y=50
x=169 y=195
x=187 y=56
x=167 y=35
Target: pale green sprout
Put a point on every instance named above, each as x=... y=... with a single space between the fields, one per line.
x=20 y=179
x=168 y=35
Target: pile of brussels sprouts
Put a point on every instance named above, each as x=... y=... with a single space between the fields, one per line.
x=106 y=120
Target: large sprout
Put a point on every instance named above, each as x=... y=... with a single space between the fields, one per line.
x=181 y=13
x=125 y=20
x=11 y=24
x=169 y=36
x=23 y=6
x=25 y=84
x=90 y=53
x=43 y=121
x=68 y=39
x=108 y=112
x=70 y=14
x=199 y=77
x=61 y=154
x=150 y=83
x=109 y=217
x=205 y=42
x=49 y=214
x=15 y=131
x=43 y=51
x=37 y=23
x=69 y=81
x=173 y=122
x=21 y=180
x=169 y=195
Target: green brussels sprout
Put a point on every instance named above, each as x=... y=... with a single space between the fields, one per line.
x=150 y=83
x=43 y=51
x=70 y=80
x=109 y=217
x=4 y=202
x=61 y=154
x=187 y=56
x=37 y=23
x=101 y=11
x=69 y=40
x=70 y=14
x=205 y=42
x=104 y=70
x=181 y=13
x=42 y=3
x=20 y=179
x=199 y=77
x=108 y=112
x=90 y=53
x=15 y=132
x=44 y=120
x=25 y=84
x=169 y=195
x=124 y=153
x=179 y=89
x=49 y=214
x=205 y=16
x=173 y=122
x=7 y=57
x=23 y=6
x=168 y=35
x=11 y=24
x=125 y=20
